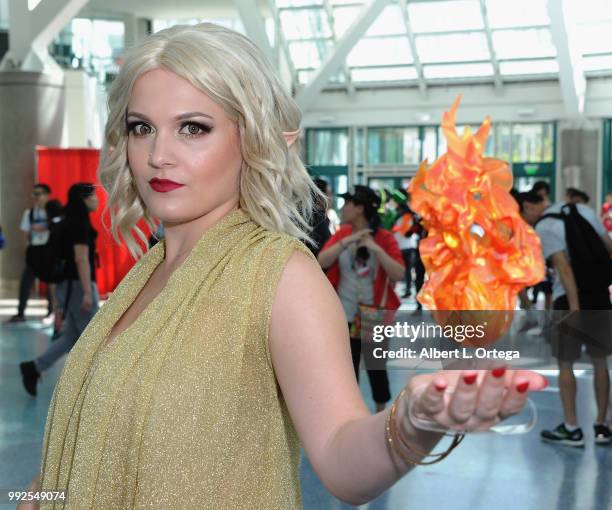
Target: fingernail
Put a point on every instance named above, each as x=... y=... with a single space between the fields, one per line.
x=498 y=372
x=470 y=378
x=522 y=387
x=440 y=386
x=545 y=383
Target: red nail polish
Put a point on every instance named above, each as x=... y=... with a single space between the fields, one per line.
x=498 y=372
x=440 y=386
x=470 y=378
x=522 y=387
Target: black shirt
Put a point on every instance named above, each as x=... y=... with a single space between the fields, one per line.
x=78 y=231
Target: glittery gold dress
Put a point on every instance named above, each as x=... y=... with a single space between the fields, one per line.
x=182 y=409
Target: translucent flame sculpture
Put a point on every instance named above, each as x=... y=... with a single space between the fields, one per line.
x=479 y=253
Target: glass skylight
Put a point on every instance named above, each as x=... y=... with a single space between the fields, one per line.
x=445 y=16
x=380 y=51
x=380 y=74
x=458 y=70
x=517 y=13
x=531 y=43
x=453 y=47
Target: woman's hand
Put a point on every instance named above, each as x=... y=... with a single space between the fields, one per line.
x=357 y=236
x=87 y=303
x=33 y=504
x=366 y=240
x=480 y=399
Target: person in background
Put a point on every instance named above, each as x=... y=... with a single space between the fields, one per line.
x=388 y=209
x=77 y=293
x=320 y=223
x=572 y=294
x=606 y=213
x=542 y=188
x=363 y=261
x=408 y=232
x=36 y=230
x=576 y=196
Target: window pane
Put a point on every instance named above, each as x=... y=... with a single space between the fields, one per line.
x=517 y=13
x=523 y=43
x=528 y=142
x=393 y=145
x=309 y=54
x=595 y=37
x=453 y=47
x=445 y=16
x=383 y=51
x=297 y=3
x=327 y=147
x=529 y=67
x=359 y=146
x=458 y=71
x=305 y=24
x=343 y=18
x=548 y=142
x=389 y=22
x=460 y=128
x=599 y=63
x=504 y=142
x=430 y=144
x=383 y=74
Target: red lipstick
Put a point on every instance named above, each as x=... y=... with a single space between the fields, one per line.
x=164 y=185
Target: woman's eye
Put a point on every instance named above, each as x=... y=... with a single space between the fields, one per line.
x=140 y=129
x=194 y=129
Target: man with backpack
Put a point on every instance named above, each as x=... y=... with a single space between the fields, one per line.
x=575 y=242
x=35 y=226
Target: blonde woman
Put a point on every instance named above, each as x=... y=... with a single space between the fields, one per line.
x=226 y=343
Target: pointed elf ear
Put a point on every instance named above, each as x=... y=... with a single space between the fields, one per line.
x=291 y=137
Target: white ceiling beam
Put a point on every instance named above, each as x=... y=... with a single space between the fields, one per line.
x=413 y=48
x=496 y=73
x=336 y=58
x=350 y=86
x=571 y=72
x=282 y=44
x=255 y=27
x=32 y=32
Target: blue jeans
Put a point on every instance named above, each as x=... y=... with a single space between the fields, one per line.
x=69 y=296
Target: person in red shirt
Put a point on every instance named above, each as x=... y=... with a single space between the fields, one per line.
x=606 y=212
x=363 y=262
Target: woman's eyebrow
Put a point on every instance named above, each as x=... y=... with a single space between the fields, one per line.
x=182 y=116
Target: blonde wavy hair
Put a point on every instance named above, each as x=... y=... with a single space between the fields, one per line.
x=275 y=188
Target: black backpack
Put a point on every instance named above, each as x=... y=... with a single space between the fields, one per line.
x=48 y=261
x=589 y=257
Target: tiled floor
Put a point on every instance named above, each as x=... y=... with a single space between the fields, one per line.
x=486 y=471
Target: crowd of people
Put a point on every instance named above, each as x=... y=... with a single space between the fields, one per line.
x=359 y=258
x=60 y=253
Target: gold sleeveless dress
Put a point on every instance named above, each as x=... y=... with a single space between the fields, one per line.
x=182 y=410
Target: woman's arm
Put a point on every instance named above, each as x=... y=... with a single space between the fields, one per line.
x=394 y=269
x=81 y=259
x=346 y=445
x=329 y=255
x=34 y=504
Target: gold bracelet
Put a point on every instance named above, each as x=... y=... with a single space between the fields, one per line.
x=399 y=445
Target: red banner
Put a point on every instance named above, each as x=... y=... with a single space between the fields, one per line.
x=60 y=169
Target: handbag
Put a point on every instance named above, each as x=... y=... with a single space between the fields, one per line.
x=372 y=314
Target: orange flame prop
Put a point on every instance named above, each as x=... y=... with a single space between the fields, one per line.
x=479 y=252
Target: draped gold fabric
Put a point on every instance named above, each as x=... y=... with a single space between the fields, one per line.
x=182 y=410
